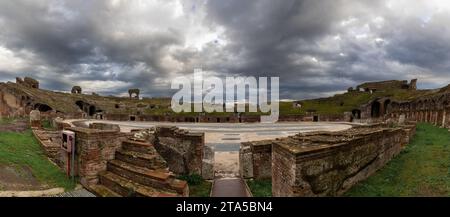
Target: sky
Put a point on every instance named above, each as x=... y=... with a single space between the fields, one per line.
x=316 y=48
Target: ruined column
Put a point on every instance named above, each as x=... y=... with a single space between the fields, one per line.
x=35 y=119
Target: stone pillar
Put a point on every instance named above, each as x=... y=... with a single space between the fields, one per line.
x=35 y=119
x=436 y=118
x=245 y=161
x=401 y=119
x=93 y=149
x=443 y=118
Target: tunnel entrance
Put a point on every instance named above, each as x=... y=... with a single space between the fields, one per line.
x=92 y=110
x=316 y=118
x=385 y=106
x=375 y=110
x=42 y=107
x=356 y=113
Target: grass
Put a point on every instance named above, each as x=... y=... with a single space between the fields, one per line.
x=346 y=102
x=6 y=120
x=421 y=169
x=22 y=149
x=260 y=188
x=47 y=124
x=198 y=187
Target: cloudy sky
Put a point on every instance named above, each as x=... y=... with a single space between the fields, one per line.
x=317 y=48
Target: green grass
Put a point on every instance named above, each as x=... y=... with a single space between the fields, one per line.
x=260 y=188
x=421 y=169
x=22 y=149
x=198 y=187
x=346 y=102
x=6 y=120
x=47 y=124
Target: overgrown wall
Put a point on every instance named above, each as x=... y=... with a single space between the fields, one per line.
x=328 y=164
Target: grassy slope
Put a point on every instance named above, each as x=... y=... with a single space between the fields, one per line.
x=422 y=169
x=198 y=187
x=260 y=188
x=22 y=149
x=340 y=103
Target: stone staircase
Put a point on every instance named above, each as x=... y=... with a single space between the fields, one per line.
x=138 y=171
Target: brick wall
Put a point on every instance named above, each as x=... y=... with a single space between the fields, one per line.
x=182 y=150
x=255 y=159
x=93 y=149
x=328 y=164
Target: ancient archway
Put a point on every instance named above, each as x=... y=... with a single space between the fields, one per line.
x=134 y=93
x=375 y=109
x=385 y=106
x=92 y=110
x=76 y=90
x=356 y=113
x=42 y=107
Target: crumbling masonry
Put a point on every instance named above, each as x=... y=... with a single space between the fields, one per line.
x=323 y=163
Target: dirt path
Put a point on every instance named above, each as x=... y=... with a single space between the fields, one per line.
x=229 y=187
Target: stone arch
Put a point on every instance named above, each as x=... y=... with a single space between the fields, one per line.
x=356 y=113
x=386 y=103
x=375 y=110
x=92 y=110
x=42 y=107
x=76 y=90
x=134 y=92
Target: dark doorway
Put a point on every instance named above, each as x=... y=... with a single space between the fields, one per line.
x=218 y=120
x=92 y=110
x=132 y=118
x=375 y=110
x=356 y=113
x=80 y=104
x=316 y=118
x=42 y=107
x=386 y=104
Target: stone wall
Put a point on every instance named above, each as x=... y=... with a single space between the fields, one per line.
x=255 y=159
x=104 y=126
x=93 y=149
x=50 y=141
x=329 y=163
x=433 y=109
x=182 y=150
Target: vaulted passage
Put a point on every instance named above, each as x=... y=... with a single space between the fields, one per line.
x=385 y=107
x=91 y=110
x=375 y=110
x=42 y=107
x=356 y=113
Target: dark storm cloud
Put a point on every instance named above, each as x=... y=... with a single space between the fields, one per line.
x=316 y=47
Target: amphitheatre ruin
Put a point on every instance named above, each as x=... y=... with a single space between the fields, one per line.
x=136 y=146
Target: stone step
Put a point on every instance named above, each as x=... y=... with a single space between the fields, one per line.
x=153 y=178
x=150 y=161
x=102 y=191
x=137 y=146
x=128 y=188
